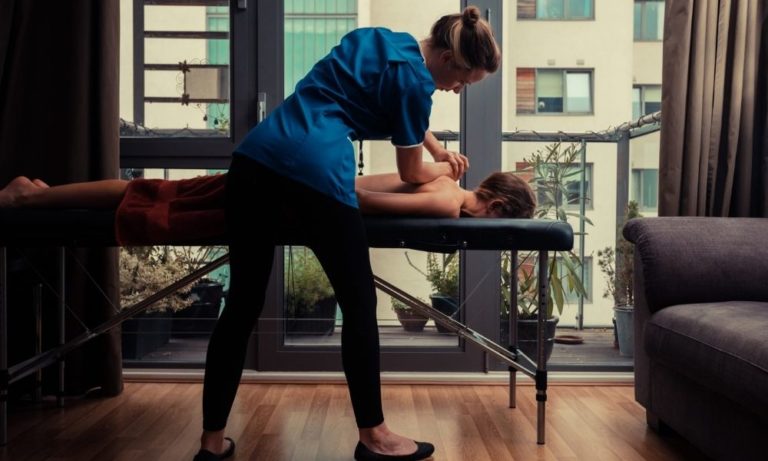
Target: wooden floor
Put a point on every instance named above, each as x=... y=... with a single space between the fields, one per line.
x=161 y=421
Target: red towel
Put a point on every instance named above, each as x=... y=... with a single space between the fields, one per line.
x=157 y=212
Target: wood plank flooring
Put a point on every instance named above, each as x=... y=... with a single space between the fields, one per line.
x=161 y=421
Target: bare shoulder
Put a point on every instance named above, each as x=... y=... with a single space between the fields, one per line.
x=441 y=184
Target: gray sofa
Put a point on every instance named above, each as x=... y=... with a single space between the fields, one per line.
x=701 y=331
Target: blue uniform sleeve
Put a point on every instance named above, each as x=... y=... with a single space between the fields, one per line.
x=410 y=102
x=411 y=116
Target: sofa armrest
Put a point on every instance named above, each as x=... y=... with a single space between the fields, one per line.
x=696 y=259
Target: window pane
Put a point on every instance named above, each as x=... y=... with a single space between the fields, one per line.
x=653 y=21
x=651 y=99
x=579 y=92
x=638 y=21
x=320 y=7
x=650 y=188
x=645 y=188
x=307 y=39
x=660 y=20
x=179 y=85
x=636 y=187
x=312 y=28
x=652 y=94
x=578 y=9
x=572 y=296
x=550 y=9
x=636 y=103
x=573 y=187
x=218 y=53
x=549 y=91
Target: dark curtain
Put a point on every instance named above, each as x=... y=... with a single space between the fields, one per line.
x=714 y=146
x=59 y=122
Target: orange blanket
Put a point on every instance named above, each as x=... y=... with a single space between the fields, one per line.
x=156 y=211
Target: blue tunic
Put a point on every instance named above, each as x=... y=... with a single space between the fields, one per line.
x=372 y=85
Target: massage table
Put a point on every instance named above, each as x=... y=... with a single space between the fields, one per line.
x=96 y=228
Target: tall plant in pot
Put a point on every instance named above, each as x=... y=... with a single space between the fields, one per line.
x=206 y=293
x=552 y=173
x=442 y=273
x=618 y=268
x=309 y=298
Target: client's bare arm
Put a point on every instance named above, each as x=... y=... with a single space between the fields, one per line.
x=439 y=198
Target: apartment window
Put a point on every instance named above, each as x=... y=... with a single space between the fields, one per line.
x=645 y=188
x=649 y=20
x=646 y=99
x=311 y=30
x=554 y=91
x=555 y=9
x=570 y=195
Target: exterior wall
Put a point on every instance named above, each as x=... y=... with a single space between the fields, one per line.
x=606 y=46
x=646 y=58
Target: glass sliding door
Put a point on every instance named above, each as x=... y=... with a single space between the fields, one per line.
x=293 y=340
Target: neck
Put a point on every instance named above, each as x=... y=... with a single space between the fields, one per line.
x=472 y=205
x=427 y=52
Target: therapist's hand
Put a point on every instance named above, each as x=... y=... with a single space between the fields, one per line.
x=459 y=162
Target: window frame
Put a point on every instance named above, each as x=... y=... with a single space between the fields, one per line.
x=643 y=89
x=208 y=152
x=564 y=73
x=636 y=193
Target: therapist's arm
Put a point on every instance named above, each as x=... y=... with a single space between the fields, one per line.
x=459 y=162
x=413 y=170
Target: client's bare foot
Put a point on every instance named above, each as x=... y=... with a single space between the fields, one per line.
x=381 y=440
x=40 y=183
x=13 y=193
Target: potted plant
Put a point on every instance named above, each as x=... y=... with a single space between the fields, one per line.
x=409 y=318
x=551 y=172
x=618 y=268
x=443 y=275
x=309 y=298
x=144 y=271
x=206 y=294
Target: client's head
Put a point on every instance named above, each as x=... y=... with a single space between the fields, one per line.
x=507 y=196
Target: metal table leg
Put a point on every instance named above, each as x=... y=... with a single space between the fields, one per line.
x=541 y=359
x=60 y=257
x=3 y=348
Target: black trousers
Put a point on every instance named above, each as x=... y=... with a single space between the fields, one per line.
x=265 y=204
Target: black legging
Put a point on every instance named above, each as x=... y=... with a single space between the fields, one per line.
x=265 y=204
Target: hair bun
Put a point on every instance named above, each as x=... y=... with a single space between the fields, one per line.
x=470 y=16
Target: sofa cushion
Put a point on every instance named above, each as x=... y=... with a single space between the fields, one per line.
x=701 y=259
x=723 y=346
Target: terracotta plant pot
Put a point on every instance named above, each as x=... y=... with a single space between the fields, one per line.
x=411 y=321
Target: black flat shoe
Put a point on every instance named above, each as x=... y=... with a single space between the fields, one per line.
x=205 y=455
x=423 y=450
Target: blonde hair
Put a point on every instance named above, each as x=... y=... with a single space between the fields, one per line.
x=469 y=38
x=515 y=196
